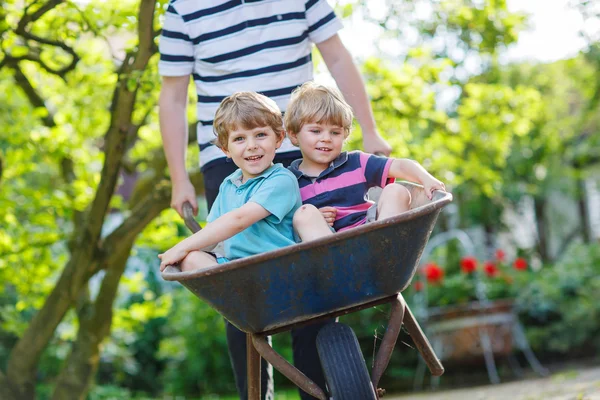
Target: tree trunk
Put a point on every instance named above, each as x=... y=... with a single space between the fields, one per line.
x=94 y=325
x=583 y=210
x=25 y=355
x=95 y=322
x=540 y=220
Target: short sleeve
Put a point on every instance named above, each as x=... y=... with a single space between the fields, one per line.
x=376 y=169
x=322 y=21
x=278 y=194
x=175 y=46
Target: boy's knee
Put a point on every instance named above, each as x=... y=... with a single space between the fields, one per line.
x=192 y=261
x=305 y=214
x=397 y=193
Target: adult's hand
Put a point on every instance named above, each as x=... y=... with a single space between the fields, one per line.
x=182 y=192
x=374 y=144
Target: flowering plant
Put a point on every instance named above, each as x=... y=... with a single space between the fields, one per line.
x=472 y=279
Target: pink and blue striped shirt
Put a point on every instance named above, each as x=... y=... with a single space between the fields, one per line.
x=344 y=185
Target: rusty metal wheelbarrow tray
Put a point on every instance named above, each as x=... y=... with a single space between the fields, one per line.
x=330 y=276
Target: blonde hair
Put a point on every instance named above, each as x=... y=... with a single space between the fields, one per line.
x=246 y=110
x=315 y=103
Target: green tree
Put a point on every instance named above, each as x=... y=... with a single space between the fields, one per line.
x=75 y=119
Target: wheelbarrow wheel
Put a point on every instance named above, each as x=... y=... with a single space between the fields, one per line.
x=343 y=364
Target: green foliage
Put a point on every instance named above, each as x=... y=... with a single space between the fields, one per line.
x=541 y=158
x=51 y=168
x=469 y=147
x=195 y=348
x=460 y=30
x=561 y=308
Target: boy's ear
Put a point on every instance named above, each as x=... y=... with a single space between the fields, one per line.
x=279 y=139
x=293 y=137
x=226 y=151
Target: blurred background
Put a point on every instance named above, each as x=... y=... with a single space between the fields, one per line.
x=499 y=99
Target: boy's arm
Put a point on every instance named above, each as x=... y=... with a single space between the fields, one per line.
x=222 y=228
x=349 y=80
x=410 y=170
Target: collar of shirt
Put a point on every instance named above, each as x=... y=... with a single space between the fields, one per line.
x=338 y=162
x=236 y=177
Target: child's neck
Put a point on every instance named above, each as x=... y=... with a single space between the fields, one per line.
x=311 y=168
x=246 y=175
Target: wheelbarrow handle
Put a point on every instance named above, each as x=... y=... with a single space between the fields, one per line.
x=188 y=217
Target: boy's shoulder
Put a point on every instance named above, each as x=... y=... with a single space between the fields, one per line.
x=357 y=156
x=349 y=159
x=278 y=170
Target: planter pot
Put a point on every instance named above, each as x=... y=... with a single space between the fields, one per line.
x=466 y=331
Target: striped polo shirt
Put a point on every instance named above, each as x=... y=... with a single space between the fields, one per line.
x=344 y=185
x=242 y=45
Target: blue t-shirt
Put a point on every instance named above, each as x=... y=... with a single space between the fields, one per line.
x=276 y=190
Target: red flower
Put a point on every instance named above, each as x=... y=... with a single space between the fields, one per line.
x=468 y=264
x=418 y=286
x=520 y=264
x=500 y=255
x=433 y=273
x=490 y=269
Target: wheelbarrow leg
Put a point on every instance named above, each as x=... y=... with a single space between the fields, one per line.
x=388 y=343
x=253 y=364
x=420 y=340
x=288 y=370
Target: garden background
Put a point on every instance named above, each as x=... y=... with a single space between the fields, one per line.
x=84 y=191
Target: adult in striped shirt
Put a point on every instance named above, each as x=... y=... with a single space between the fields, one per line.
x=334 y=184
x=252 y=45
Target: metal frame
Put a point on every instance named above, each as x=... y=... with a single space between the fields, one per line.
x=400 y=314
x=257 y=345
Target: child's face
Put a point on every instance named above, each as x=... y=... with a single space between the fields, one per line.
x=320 y=144
x=252 y=150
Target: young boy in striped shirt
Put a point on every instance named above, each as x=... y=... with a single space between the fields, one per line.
x=334 y=184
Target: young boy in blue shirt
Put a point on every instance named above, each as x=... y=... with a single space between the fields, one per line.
x=254 y=209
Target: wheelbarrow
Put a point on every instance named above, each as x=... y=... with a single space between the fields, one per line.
x=346 y=272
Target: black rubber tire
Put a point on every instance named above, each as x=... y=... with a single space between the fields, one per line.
x=343 y=364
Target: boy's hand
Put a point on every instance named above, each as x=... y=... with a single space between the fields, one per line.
x=171 y=257
x=329 y=214
x=430 y=184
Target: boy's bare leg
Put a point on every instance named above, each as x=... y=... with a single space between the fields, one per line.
x=395 y=199
x=310 y=224
x=196 y=260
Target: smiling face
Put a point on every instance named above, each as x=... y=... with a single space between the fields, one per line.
x=252 y=150
x=320 y=144
x=249 y=128
x=318 y=120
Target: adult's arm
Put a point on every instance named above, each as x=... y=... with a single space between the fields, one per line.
x=173 y=129
x=348 y=78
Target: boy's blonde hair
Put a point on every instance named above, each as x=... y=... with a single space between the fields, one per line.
x=315 y=103
x=246 y=110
